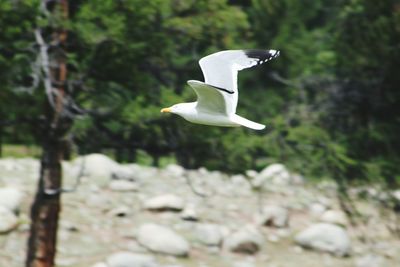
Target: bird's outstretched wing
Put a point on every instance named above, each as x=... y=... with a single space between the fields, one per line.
x=220 y=69
x=210 y=99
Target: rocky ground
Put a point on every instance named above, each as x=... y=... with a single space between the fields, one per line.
x=136 y=216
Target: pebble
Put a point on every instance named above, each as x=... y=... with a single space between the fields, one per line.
x=167 y=202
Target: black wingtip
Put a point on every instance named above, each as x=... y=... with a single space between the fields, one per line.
x=262 y=56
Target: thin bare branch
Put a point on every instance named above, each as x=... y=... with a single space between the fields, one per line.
x=45 y=64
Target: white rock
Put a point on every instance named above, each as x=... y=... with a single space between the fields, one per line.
x=128 y=259
x=283 y=232
x=123 y=172
x=98 y=201
x=10 y=164
x=297 y=179
x=189 y=213
x=325 y=237
x=335 y=217
x=240 y=180
x=275 y=173
x=243 y=264
x=247 y=240
x=174 y=170
x=165 y=202
x=100 y=264
x=326 y=201
x=161 y=239
x=203 y=171
x=396 y=195
x=96 y=165
x=370 y=261
x=123 y=186
x=209 y=234
x=272 y=215
x=251 y=173
x=240 y=185
x=8 y=220
x=316 y=209
x=11 y=198
x=273 y=238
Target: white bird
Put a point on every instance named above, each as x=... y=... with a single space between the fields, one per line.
x=217 y=97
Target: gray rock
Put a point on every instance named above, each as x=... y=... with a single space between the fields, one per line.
x=123 y=172
x=272 y=215
x=96 y=200
x=161 y=239
x=10 y=164
x=370 y=260
x=174 y=170
x=189 y=213
x=335 y=217
x=240 y=180
x=96 y=165
x=167 y=202
x=8 y=220
x=128 y=259
x=243 y=264
x=142 y=173
x=297 y=179
x=209 y=234
x=11 y=198
x=123 y=186
x=275 y=173
x=247 y=240
x=316 y=209
x=325 y=237
x=239 y=185
x=396 y=194
x=251 y=173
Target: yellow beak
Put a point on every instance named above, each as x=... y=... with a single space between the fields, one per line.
x=164 y=110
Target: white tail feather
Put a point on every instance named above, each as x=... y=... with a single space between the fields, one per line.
x=247 y=123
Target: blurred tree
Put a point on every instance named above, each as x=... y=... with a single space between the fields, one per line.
x=18 y=114
x=59 y=111
x=363 y=110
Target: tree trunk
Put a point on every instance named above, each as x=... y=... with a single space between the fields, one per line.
x=1 y=141
x=46 y=206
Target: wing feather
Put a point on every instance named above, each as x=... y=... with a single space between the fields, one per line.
x=220 y=69
x=210 y=99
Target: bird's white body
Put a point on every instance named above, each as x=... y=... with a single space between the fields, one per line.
x=217 y=97
x=190 y=113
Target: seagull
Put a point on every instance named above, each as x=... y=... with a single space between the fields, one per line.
x=217 y=96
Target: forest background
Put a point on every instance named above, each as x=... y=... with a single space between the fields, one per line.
x=330 y=101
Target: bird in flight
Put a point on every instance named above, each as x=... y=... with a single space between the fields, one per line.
x=217 y=97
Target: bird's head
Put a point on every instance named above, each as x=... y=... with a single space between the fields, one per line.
x=180 y=109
